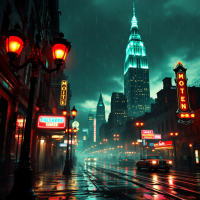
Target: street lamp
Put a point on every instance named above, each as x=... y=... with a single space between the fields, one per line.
x=75 y=136
x=174 y=135
x=140 y=125
x=15 y=41
x=116 y=138
x=66 y=170
x=135 y=143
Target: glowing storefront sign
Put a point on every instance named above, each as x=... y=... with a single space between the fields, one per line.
x=51 y=122
x=57 y=136
x=94 y=129
x=62 y=145
x=163 y=144
x=65 y=141
x=63 y=96
x=147 y=134
x=184 y=112
x=20 y=122
x=157 y=136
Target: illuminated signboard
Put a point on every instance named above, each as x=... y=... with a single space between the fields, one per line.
x=138 y=140
x=62 y=145
x=51 y=122
x=157 y=136
x=163 y=144
x=147 y=134
x=151 y=144
x=19 y=123
x=57 y=136
x=75 y=124
x=94 y=129
x=63 y=95
x=84 y=137
x=184 y=112
x=65 y=141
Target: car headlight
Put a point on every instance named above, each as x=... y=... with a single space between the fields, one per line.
x=154 y=162
x=88 y=158
x=170 y=162
x=95 y=159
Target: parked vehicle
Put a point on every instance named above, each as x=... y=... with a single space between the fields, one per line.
x=127 y=161
x=154 y=162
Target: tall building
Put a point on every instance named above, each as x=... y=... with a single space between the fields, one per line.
x=100 y=114
x=118 y=108
x=136 y=73
x=90 y=125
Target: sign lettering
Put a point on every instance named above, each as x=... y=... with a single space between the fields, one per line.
x=51 y=122
x=63 y=96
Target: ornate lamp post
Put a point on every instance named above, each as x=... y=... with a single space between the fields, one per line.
x=15 y=41
x=174 y=135
x=75 y=138
x=71 y=152
x=66 y=170
x=140 y=125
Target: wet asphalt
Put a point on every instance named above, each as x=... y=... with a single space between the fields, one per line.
x=108 y=180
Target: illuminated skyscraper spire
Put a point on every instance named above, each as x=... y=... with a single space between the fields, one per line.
x=134 y=19
x=136 y=72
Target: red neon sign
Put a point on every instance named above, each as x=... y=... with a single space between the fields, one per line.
x=20 y=123
x=181 y=83
x=147 y=134
x=51 y=122
x=163 y=144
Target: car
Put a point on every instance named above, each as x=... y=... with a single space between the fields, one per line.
x=127 y=161
x=90 y=159
x=154 y=162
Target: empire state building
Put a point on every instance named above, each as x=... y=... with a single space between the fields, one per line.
x=136 y=73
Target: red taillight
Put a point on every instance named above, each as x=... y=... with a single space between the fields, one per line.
x=126 y=159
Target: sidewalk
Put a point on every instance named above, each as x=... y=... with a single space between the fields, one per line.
x=55 y=186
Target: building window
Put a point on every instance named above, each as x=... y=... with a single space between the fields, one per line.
x=165 y=99
x=167 y=125
x=197 y=129
x=162 y=127
x=158 y=128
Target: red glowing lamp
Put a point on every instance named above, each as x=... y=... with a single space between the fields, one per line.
x=141 y=124
x=73 y=111
x=64 y=111
x=176 y=134
x=15 y=41
x=75 y=136
x=137 y=123
x=171 y=134
x=133 y=143
x=60 y=47
x=75 y=130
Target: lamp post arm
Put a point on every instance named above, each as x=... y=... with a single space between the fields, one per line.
x=50 y=70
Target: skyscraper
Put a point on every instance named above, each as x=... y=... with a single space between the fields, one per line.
x=100 y=114
x=90 y=125
x=136 y=73
x=118 y=108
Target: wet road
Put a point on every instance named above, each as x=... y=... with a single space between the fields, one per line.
x=130 y=183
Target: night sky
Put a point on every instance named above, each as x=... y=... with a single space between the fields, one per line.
x=99 y=32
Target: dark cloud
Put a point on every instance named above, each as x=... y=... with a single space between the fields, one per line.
x=99 y=32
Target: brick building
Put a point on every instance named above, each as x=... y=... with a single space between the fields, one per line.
x=14 y=86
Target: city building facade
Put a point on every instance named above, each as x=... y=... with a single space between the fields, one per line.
x=100 y=115
x=136 y=73
x=15 y=85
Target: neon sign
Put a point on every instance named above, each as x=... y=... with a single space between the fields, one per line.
x=163 y=144
x=184 y=112
x=20 y=123
x=94 y=129
x=51 y=122
x=149 y=134
x=63 y=96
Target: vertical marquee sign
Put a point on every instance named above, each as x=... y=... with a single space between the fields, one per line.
x=184 y=113
x=63 y=96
